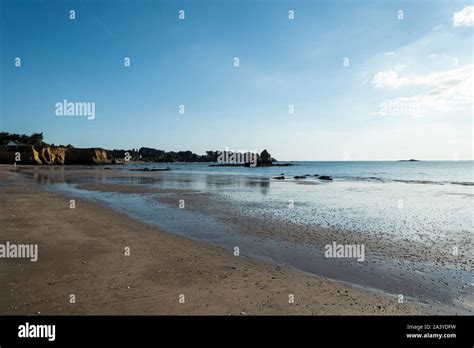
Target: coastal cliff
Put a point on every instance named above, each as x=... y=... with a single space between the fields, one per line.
x=46 y=155
x=31 y=149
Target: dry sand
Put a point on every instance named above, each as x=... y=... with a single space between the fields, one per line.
x=81 y=252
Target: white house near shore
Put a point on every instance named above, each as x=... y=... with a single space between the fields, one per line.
x=12 y=143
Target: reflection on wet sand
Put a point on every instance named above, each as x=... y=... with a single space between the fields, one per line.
x=404 y=255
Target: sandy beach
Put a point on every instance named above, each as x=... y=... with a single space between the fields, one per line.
x=82 y=252
x=304 y=169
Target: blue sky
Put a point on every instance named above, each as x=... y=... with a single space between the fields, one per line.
x=406 y=92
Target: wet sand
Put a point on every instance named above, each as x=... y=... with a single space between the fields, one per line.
x=81 y=252
x=420 y=265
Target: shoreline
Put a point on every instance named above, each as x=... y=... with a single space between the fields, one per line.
x=81 y=252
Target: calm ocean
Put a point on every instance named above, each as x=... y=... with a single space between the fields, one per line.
x=455 y=172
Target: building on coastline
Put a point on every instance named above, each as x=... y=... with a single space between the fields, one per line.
x=13 y=143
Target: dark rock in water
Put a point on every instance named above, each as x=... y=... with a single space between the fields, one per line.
x=282 y=174
x=316 y=174
x=151 y=170
x=279 y=177
x=283 y=164
x=299 y=177
x=266 y=158
x=325 y=177
x=230 y=165
x=410 y=160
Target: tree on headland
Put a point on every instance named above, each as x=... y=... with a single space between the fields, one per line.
x=36 y=139
x=144 y=154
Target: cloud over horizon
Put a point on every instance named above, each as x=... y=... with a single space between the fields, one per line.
x=464 y=18
x=444 y=91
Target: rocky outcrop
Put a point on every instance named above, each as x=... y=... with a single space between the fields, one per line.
x=265 y=159
x=50 y=156
x=86 y=156
x=325 y=177
x=167 y=169
x=7 y=155
x=46 y=155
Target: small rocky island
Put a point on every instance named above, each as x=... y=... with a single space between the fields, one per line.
x=264 y=159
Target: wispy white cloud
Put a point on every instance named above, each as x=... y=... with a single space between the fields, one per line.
x=389 y=79
x=464 y=18
x=444 y=91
